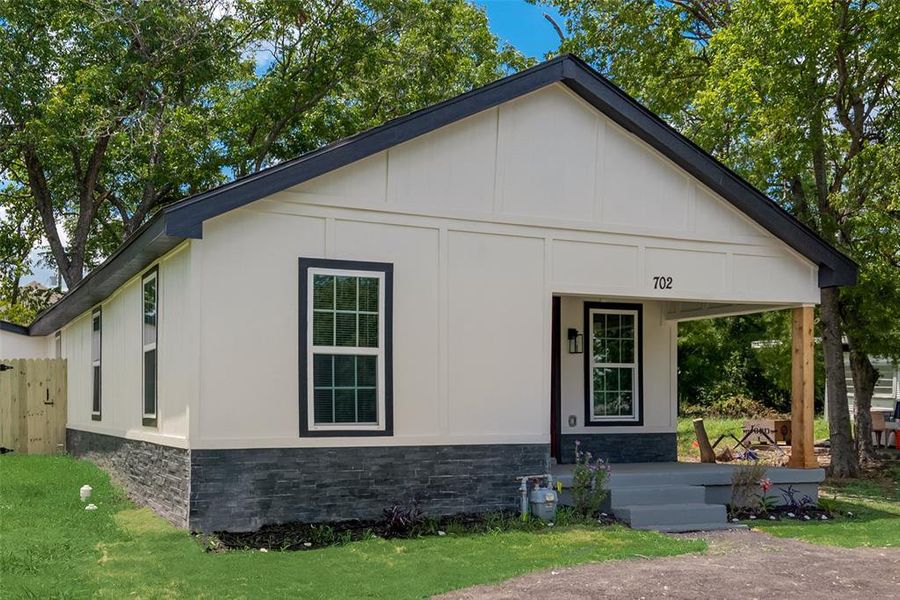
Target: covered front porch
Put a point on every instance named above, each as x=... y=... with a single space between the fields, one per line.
x=614 y=376
x=682 y=496
x=614 y=393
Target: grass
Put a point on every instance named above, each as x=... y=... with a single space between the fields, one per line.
x=875 y=520
x=718 y=426
x=874 y=502
x=50 y=547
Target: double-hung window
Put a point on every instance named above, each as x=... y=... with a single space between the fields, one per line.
x=96 y=379
x=613 y=364
x=149 y=337
x=345 y=347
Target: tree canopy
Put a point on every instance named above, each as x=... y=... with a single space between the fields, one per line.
x=801 y=98
x=112 y=109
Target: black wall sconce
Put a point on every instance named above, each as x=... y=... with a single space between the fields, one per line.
x=576 y=341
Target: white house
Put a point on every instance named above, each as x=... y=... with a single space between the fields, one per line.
x=424 y=310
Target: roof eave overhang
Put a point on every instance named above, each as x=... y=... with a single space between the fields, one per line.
x=137 y=253
x=184 y=219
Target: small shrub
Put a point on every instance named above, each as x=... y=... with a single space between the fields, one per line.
x=747 y=478
x=791 y=499
x=588 y=482
x=402 y=520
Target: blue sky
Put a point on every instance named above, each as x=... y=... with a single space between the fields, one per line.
x=523 y=25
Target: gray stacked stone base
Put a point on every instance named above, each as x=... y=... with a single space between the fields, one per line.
x=245 y=489
x=153 y=475
x=242 y=490
x=622 y=447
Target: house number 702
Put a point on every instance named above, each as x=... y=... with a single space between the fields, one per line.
x=661 y=282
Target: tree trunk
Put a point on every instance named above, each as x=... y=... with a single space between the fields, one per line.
x=843 y=454
x=706 y=451
x=865 y=376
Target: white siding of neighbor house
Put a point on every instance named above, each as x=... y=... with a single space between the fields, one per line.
x=121 y=359
x=16 y=345
x=484 y=220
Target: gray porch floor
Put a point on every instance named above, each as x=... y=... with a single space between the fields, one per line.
x=687 y=473
x=679 y=496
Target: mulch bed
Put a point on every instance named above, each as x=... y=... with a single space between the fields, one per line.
x=781 y=513
x=310 y=536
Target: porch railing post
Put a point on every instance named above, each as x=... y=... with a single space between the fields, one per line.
x=802 y=384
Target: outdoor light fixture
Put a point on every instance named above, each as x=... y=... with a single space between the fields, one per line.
x=576 y=341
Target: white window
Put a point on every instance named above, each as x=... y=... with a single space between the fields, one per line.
x=96 y=375
x=347 y=317
x=613 y=362
x=150 y=322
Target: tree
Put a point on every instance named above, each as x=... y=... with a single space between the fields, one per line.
x=100 y=116
x=800 y=97
x=115 y=108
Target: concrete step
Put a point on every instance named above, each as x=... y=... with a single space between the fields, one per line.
x=656 y=494
x=692 y=514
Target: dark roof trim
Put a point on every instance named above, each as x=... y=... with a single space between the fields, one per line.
x=184 y=219
x=138 y=252
x=13 y=327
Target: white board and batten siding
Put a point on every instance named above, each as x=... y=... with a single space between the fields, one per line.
x=484 y=220
x=121 y=359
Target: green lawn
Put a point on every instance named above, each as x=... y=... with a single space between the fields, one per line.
x=50 y=547
x=875 y=521
x=716 y=427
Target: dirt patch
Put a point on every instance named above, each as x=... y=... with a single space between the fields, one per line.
x=739 y=564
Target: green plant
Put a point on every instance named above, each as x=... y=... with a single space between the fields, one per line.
x=588 y=482
x=746 y=478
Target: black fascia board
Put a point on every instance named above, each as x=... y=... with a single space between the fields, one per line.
x=185 y=216
x=13 y=327
x=635 y=118
x=145 y=246
x=184 y=219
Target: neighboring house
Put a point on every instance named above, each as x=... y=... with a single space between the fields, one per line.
x=425 y=310
x=887 y=388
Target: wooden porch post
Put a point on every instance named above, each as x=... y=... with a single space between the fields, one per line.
x=802 y=384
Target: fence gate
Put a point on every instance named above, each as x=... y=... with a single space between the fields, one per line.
x=33 y=405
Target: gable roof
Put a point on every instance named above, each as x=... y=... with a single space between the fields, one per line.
x=184 y=219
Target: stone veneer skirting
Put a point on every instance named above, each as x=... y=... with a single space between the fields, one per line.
x=622 y=447
x=153 y=475
x=241 y=490
x=244 y=489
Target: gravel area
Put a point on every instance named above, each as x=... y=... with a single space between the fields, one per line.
x=742 y=565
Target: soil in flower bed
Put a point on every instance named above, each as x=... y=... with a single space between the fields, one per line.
x=781 y=513
x=309 y=536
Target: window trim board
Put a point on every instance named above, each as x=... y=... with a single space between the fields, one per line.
x=97 y=415
x=362 y=269
x=589 y=419
x=150 y=419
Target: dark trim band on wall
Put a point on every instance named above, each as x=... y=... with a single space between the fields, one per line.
x=588 y=371
x=347 y=265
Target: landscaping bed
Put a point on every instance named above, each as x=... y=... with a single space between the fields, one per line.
x=399 y=522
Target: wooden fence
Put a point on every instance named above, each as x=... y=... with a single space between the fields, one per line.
x=33 y=405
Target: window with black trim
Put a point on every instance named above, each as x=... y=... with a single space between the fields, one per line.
x=345 y=347
x=613 y=377
x=96 y=373
x=149 y=337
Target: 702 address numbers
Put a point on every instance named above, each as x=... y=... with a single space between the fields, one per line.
x=662 y=282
